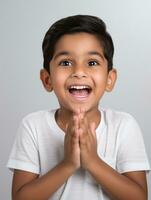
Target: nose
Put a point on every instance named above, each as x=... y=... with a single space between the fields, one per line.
x=79 y=72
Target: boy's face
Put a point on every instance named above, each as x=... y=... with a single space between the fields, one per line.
x=78 y=72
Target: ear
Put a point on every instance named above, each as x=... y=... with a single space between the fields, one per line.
x=112 y=76
x=46 y=80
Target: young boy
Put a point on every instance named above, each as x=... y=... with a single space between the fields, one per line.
x=79 y=151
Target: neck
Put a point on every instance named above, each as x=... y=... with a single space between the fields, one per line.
x=63 y=116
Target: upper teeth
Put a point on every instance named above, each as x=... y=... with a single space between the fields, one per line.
x=78 y=87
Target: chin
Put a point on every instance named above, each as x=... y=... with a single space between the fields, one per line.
x=83 y=107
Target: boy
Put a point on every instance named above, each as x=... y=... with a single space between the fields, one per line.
x=79 y=151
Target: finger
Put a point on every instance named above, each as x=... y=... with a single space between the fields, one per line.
x=70 y=127
x=71 y=136
x=93 y=130
x=84 y=124
x=93 y=127
x=66 y=127
x=76 y=122
x=82 y=110
x=77 y=112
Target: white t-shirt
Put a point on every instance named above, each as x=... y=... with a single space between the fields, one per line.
x=39 y=146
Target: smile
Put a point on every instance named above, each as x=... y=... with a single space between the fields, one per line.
x=80 y=92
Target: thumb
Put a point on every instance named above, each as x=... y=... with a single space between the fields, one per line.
x=66 y=127
x=93 y=128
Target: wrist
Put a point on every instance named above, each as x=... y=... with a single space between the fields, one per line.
x=91 y=166
x=69 y=167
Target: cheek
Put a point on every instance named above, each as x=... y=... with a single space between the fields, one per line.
x=100 y=79
x=58 y=80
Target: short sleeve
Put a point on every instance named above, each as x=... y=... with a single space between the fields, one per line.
x=131 y=154
x=24 y=154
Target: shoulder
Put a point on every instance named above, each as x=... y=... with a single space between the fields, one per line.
x=37 y=119
x=38 y=115
x=34 y=124
x=122 y=124
x=119 y=121
x=115 y=116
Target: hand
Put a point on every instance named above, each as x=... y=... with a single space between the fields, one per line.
x=71 y=144
x=88 y=141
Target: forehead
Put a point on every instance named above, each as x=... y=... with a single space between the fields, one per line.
x=78 y=43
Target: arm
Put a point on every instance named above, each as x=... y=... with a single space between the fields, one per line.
x=29 y=186
x=127 y=186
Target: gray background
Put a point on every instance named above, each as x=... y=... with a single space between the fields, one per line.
x=23 y=24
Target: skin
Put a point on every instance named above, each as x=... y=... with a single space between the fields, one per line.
x=83 y=63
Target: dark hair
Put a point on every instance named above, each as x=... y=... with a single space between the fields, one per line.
x=75 y=24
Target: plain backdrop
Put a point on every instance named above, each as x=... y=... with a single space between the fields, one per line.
x=23 y=24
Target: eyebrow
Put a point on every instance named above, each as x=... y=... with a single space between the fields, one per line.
x=66 y=53
x=96 y=53
x=62 y=53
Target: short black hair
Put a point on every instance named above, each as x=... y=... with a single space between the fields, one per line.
x=76 y=24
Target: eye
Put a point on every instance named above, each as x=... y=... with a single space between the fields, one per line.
x=65 y=63
x=93 y=63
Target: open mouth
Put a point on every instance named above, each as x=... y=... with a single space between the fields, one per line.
x=80 y=91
